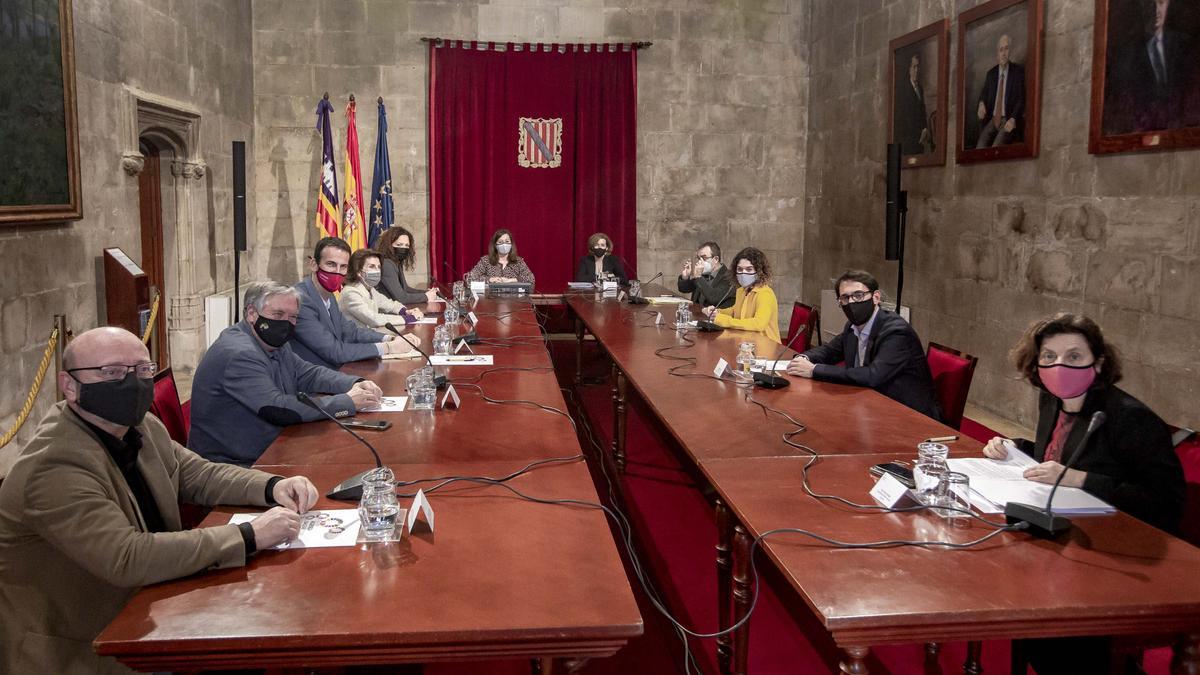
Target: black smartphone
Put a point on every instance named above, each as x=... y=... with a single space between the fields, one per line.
x=382 y=425
x=898 y=471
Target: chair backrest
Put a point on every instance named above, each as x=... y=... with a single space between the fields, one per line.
x=1187 y=447
x=952 y=372
x=167 y=407
x=808 y=317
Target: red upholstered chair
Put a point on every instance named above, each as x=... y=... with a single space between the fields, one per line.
x=952 y=372
x=176 y=417
x=810 y=318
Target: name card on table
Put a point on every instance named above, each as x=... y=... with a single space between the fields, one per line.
x=658 y=320
x=472 y=318
x=461 y=344
x=891 y=493
x=621 y=296
x=721 y=369
x=420 y=505
x=479 y=287
x=450 y=399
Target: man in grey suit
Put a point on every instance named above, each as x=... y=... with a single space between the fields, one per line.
x=323 y=335
x=247 y=385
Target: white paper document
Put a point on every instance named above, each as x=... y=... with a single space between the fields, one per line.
x=389 y=404
x=995 y=483
x=580 y=285
x=667 y=300
x=318 y=529
x=427 y=319
x=762 y=364
x=462 y=360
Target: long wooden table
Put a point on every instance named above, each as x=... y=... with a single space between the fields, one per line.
x=1114 y=575
x=502 y=577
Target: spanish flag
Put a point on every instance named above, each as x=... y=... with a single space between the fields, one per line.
x=328 y=216
x=353 y=224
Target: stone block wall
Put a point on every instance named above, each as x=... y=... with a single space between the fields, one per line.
x=721 y=112
x=993 y=247
x=193 y=51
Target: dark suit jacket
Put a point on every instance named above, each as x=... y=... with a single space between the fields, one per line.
x=909 y=118
x=327 y=338
x=612 y=264
x=896 y=365
x=1014 y=96
x=710 y=289
x=1130 y=462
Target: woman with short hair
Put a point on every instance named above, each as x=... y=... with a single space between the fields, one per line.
x=361 y=302
x=600 y=263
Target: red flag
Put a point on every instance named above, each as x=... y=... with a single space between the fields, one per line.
x=353 y=225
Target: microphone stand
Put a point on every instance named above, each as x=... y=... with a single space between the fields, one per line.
x=709 y=326
x=771 y=380
x=352 y=487
x=638 y=299
x=439 y=381
x=1042 y=521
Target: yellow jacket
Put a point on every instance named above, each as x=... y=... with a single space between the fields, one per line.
x=756 y=311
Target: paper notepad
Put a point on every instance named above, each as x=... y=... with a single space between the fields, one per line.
x=462 y=360
x=389 y=404
x=319 y=529
x=995 y=483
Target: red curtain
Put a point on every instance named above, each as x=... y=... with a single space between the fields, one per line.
x=477 y=97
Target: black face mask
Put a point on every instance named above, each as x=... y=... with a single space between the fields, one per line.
x=401 y=253
x=859 y=312
x=274 y=332
x=599 y=252
x=124 y=402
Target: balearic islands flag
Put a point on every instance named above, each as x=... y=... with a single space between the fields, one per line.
x=353 y=225
x=382 y=210
x=328 y=216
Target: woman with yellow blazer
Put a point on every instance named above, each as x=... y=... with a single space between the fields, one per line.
x=754 y=306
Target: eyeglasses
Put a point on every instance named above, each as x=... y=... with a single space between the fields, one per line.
x=117 y=371
x=857 y=296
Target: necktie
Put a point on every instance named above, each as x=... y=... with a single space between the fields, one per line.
x=998 y=113
x=1160 y=69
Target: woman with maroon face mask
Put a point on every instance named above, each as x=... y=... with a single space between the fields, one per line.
x=1129 y=461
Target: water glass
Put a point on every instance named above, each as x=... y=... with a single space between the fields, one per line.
x=953 y=495
x=451 y=314
x=378 y=508
x=683 y=315
x=421 y=390
x=933 y=451
x=745 y=359
x=635 y=288
x=441 y=340
x=460 y=291
x=927 y=474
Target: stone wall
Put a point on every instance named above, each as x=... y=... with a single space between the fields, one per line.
x=191 y=51
x=721 y=112
x=993 y=247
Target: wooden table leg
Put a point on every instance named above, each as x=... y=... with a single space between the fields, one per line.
x=724 y=583
x=740 y=656
x=618 y=442
x=1187 y=655
x=973 y=665
x=933 y=665
x=578 y=351
x=855 y=662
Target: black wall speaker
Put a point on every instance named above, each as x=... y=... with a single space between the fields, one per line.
x=239 y=195
x=891 y=244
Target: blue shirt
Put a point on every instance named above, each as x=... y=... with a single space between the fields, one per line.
x=863 y=333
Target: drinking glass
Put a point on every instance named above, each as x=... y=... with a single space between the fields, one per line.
x=378 y=508
x=954 y=492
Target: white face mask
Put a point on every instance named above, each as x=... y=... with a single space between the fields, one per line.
x=503 y=249
x=746 y=279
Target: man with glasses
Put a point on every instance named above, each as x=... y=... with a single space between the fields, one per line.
x=709 y=281
x=323 y=335
x=246 y=386
x=90 y=510
x=876 y=349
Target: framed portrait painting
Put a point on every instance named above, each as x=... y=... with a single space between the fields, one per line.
x=38 y=127
x=917 y=75
x=1145 y=76
x=999 y=80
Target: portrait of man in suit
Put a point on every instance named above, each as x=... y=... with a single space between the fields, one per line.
x=1152 y=76
x=916 y=85
x=999 y=69
x=909 y=113
x=1001 y=109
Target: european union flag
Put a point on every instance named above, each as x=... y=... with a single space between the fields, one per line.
x=382 y=211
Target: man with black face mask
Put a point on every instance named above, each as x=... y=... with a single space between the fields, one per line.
x=246 y=384
x=878 y=349
x=90 y=510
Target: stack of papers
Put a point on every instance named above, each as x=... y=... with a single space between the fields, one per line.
x=580 y=285
x=667 y=300
x=995 y=483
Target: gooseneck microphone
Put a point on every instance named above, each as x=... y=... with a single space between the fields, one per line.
x=638 y=299
x=710 y=326
x=352 y=487
x=438 y=380
x=1042 y=521
x=771 y=380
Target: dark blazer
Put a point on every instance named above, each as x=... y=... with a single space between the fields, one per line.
x=327 y=338
x=909 y=117
x=586 y=271
x=1014 y=96
x=1130 y=462
x=896 y=365
x=393 y=285
x=708 y=290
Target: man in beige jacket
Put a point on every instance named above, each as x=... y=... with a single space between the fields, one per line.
x=90 y=510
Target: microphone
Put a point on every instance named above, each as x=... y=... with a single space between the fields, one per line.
x=438 y=380
x=709 y=326
x=638 y=299
x=1042 y=521
x=352 y=487
x=454 y=276
x=771 y=380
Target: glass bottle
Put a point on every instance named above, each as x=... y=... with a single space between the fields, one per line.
x=745 y=359
x=378 y=508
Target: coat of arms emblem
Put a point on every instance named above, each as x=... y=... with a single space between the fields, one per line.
x=540 y=142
